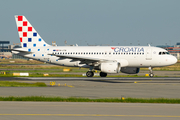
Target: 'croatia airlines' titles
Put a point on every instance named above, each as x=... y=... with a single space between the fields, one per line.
x=128 y=49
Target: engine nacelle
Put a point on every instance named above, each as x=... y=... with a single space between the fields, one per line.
x=130 y=70
x=110 y=67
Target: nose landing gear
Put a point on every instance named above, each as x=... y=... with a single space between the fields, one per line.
x=151 y=72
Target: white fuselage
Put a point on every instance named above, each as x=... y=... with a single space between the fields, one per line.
x=127 y=56
x=107 y=59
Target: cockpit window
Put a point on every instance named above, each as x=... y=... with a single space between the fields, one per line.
x=163 y=53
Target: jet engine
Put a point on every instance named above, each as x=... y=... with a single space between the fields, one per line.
x=110 y=67
x=130 y=70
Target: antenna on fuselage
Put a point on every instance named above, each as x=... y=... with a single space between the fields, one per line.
x=149 y=45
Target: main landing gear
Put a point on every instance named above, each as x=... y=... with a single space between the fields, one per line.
x=102 y=74
x=91 y=74
x=151 y=72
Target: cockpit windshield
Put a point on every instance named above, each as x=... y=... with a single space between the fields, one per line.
x=163 y=53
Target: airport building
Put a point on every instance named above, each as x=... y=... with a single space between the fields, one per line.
x=5 y=50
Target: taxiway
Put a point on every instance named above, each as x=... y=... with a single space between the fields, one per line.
x=83 y=111
x=97 y=87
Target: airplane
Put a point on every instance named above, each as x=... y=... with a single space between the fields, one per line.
x=106 y=59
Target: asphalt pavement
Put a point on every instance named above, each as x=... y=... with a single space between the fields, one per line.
x=87 y=111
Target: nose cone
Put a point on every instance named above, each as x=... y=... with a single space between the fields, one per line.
x=172 y=60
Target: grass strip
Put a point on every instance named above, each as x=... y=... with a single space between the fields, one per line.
x=72 y=99
x=20 y=84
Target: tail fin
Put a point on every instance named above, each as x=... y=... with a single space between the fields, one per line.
x=29 y=38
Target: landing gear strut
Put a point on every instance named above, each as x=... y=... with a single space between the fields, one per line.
x=90 y=74
x=151 y=72
x=102 y=74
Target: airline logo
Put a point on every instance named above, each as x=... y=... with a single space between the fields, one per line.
x=27 y=34
x=128 y=49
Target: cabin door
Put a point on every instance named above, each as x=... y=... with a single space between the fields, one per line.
x=149 y=54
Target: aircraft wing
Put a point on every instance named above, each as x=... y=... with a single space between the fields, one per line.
x=84 y=60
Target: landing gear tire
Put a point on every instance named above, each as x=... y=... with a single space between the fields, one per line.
x=151 y=75
x=102 y=74
x=151 y=72
x=90 y=74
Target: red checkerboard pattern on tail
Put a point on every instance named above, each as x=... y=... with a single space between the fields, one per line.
x=28 y=36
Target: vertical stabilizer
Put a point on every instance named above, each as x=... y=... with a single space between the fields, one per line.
x=29 y=38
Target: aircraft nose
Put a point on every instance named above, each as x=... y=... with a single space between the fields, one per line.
x=173 y=60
